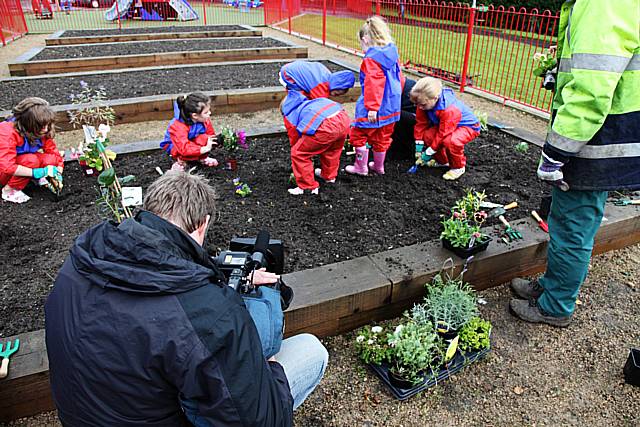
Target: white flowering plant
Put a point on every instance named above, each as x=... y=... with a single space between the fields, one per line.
x=372 y=344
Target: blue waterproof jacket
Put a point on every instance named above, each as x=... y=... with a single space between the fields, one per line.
x=138 y=318
x=314 y=79
x=449 y=101
x=381 y=80
x=195 y=129
x=307 y=114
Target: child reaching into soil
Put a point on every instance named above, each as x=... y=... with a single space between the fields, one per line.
x=27 y=149
x=378 y=108
x=315 y=127
x=190 y=135
x=315 y=80
x=444 y=124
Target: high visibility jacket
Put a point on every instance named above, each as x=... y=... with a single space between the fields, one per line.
x=382 y=81
x=595 y=127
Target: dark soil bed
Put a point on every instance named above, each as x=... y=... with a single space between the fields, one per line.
x=133 y=84
x=160 y=46
x=354 y=217
x=151 y=30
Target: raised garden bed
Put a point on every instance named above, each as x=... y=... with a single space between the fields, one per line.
x=148 y=94
x=68 y=37
x=109 y=56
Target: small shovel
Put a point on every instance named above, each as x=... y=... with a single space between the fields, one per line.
x=626 y=202
x=501 y=210
x=8 y=351
x=543 y=225
x=510 y=233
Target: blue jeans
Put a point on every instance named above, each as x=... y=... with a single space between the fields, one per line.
x=304 y=360
x=574 y=219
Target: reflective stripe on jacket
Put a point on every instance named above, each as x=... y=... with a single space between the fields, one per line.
x=595 y=128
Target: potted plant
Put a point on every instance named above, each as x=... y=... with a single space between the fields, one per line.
x=474 y=336
x=89 y=156
x=231 y=140
x=372 y=346
x=415 y=352
x=462 y=229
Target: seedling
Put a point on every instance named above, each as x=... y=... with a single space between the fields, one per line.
x=522 y=147
x=241 y=189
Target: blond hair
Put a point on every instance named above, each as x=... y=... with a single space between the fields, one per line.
x=32 y=115
x=377 y=30
x=426 y=88
x=181 y=198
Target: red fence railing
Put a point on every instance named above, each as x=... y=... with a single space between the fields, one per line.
x=484 y=48
x=12 y=23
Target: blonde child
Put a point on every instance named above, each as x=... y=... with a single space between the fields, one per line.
x=378 y=108
x=444 y=124
x=190 y=135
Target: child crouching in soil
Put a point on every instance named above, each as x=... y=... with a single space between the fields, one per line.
x=27 y=149
x=315 y=127
x=444 y=124
x=190 y=135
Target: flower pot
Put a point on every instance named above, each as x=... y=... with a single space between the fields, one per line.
x=467 y=252
x=632 y=368
x=230 y=164
x=88 y=170
x=403 y=383
x=449 y=336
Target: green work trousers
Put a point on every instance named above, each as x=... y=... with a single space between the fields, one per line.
x=574 y=219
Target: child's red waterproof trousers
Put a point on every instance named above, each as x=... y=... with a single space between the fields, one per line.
x=378 y=138
x=452 y=150
x=29 y=160
x=327 y=143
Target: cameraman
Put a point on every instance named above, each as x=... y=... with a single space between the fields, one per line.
x=141 y=327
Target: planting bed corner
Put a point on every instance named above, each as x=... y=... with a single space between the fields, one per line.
x=110 y=56
x=69 y=37
x=360 y=251
x=148 y=93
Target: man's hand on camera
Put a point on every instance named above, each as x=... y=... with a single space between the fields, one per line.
x=263 y=277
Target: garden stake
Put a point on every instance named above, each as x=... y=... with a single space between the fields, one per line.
x=626 y=202
x=8 y=351
x=500 y=210
x=116 y=183
x=510 y=232
x=543 y=225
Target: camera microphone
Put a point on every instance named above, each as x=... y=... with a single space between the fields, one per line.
x=258 y=258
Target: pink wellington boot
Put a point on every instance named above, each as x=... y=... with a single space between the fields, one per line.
x=360 y=165
x=378 y=162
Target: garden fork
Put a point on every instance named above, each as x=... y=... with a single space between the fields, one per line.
x=510 y=233
x=626 y=202
x=8 y=351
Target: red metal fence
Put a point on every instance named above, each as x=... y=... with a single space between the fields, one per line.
x=12 y=23
x=483 y=48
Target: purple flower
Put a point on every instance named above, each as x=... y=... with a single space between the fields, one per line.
x=84 y=84
x=242 y=139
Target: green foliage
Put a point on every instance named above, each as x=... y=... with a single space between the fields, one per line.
x=231 y=139
x=372 y=345
x=465 y=220
x=483 y=118
x=91 y=154
x=416 y=350
x=241 y=189
x=92 y=109
x=474 y=335
x=451 y=302
x=544 y=62
x=107 y=177
x=522 y=147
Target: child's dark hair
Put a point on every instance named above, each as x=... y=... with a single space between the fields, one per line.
x=193 y=103
x=31 y=116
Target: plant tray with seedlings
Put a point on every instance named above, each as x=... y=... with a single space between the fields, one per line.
x=67 y=37
x=459 y=362
x=110 y=56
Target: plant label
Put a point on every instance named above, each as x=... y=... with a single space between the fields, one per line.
x=132 y=196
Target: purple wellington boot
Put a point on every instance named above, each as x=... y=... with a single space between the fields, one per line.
x=360 y=165
x=378 y=162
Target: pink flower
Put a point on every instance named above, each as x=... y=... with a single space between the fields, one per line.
x=476 y=235
x=242 y=139
x=456 y=215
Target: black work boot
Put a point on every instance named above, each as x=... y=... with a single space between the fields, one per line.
x=530 y=312
x=526 y=289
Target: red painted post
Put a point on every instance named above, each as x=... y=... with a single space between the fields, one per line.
x=4 y=42
x=289 y=14
x=467 y=49
x=264 y=12
x=324 y=22
x=378 y=7
x=118 y=15
x=204 y=11
x=24 y=22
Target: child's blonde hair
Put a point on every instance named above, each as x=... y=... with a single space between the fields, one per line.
x=425 y=88
x=377 y=30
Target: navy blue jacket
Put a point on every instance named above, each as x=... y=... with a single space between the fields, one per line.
x=139 y=317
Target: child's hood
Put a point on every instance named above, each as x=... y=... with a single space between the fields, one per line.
x=292 y=101
x=386 y=56
x=447 y=98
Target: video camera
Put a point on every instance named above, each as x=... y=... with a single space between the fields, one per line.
x=245 y=255
x=549 y=79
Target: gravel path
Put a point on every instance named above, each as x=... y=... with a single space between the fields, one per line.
x=150 y=30
x=157 y=46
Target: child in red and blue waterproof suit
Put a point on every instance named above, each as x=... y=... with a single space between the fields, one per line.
x=315 y=80
x=315 y=127
x=27 y=149
x=444 y=124
x=378 y=108
x=190 y=135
